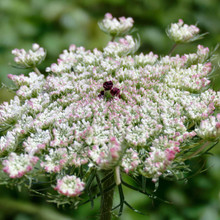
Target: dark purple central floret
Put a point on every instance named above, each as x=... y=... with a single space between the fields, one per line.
x=101 y=94
x=108 y=85
x=115 y=91
x=109 y=91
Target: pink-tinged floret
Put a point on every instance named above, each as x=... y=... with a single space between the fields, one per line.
x=182 y=33
x=130 y=161
x=108 y=16
x=17 y=166
x=209 y=128
x=217 y=125
x=106 y=156
x=171 y=153
x=114 y=26
x=158 y=161
x=78 y=160
x=70 y=186
x=55 y=161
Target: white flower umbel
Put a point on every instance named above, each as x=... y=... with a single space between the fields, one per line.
x=30 y=58
x=70 y=186
x=200 y=56
x=130 y=161
x=37 y=141
x=209 y=128
x=182 y=33
x=125 y=46
x=55 y=160
x=18 y=165
x=110 y=111
x=114 y=26
x=29 y=86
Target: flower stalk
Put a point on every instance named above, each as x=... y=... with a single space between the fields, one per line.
x=172 y=49
x=107 y=197
x=36 y=70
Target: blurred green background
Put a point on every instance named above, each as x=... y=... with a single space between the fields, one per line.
x=55 y=24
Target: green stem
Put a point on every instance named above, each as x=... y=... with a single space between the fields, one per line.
x=113 y=38
x=172 y=49
x=198 y=151
x=107 y=198
x=36 y=70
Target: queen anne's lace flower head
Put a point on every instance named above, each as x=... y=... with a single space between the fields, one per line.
x=102 y=110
